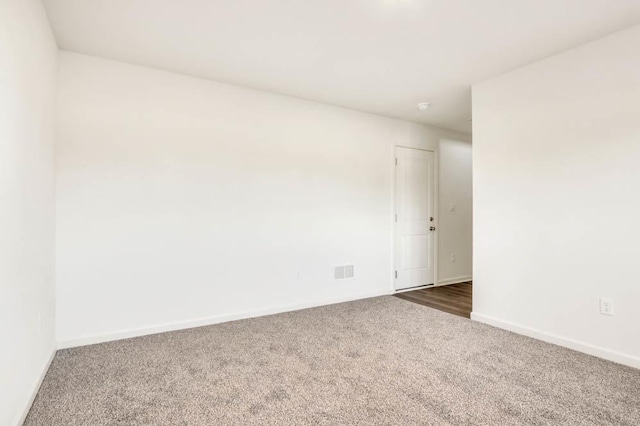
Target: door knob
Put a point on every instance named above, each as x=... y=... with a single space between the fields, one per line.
x=433 y=228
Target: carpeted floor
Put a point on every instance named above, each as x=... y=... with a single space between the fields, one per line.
x=380 y=361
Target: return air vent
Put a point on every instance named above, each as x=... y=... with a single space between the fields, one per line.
x=344 y=272
x=348 y=271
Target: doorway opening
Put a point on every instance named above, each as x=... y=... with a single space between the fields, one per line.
x=433 y=226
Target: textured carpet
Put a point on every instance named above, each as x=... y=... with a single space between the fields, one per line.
x=375 y=361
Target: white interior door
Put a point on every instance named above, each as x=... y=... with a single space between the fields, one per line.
x=414 y=220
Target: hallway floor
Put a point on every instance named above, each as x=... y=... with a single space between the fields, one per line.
x=454 y=299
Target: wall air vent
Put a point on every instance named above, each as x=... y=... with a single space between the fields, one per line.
x=348 y=271
x=344 y=272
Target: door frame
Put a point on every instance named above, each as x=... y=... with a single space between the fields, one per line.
x=436 y=197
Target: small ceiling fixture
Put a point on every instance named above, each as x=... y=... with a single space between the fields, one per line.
x=423 y=106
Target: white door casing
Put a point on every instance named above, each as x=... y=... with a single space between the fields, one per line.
x=415 y=224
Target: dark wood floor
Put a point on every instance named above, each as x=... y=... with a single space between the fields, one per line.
x=454 y=298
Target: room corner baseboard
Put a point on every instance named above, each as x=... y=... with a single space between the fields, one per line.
x=36 y=388
x=201 y=322
x=586 y=348
x=455 y=280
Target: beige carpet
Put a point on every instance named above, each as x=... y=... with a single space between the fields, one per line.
x=379 y=361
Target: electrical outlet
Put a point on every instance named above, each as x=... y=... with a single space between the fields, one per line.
x=453 y=257
x=606 y=306
x=298 y=275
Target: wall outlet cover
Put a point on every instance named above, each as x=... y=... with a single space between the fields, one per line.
x=606 y=306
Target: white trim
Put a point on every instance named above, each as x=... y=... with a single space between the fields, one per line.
x=217 y=319
x=576 y=345
x=455 y=280
x=436 y=213
x=36 y=387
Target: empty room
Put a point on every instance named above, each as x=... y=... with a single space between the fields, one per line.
x=319 y=212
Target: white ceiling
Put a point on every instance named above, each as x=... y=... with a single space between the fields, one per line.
x=380 y=56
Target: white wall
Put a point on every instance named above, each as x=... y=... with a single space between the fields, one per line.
x=455 y=212
x=27 y=87
x=182 y=201
x=556 y=205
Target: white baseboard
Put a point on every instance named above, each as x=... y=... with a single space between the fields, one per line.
x=455 y=280
x=181 y=325
x=36 y=388
x=576 y=345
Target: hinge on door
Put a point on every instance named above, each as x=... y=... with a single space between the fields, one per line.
x=396 y=275
x=396 y=161
x=396 y=217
